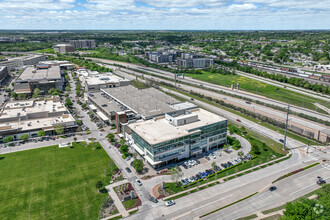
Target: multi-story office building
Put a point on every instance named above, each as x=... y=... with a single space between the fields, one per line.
x=195 y=63
x=161 y=57
x=84 y=44
x=20 y=62
x=3 y=73
x=63 y=48
x=43 y=77
x=177 y=135
x=29 y=117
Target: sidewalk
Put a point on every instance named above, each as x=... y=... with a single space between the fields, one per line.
x=30 y=146
x=116 y=199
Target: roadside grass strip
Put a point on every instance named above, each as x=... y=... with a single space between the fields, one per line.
x=295 y=171
x=216 y=210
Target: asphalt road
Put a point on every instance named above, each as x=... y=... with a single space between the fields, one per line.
x=239 y=102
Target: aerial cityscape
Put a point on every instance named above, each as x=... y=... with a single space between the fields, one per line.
x=178 y=110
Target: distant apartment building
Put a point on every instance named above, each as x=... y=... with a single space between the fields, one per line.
x=83 y=44
x=29 y=117
x=3 y=73
x=195 y=63
x=189 y=56
x=43 y=77
x=161 y=57
x=20 y=62
x=63 y=48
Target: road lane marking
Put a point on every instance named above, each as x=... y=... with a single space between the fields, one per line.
x=302 y=189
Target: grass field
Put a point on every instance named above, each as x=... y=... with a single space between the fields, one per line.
x=264 y=89
x=53 y=183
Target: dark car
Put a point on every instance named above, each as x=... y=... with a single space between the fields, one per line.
x=131 y=164
x=198 y=177
x=281 y=140
x=321 y=181
x=224 y=165
x=229 y=164
x=217 y=168
x=152 y=199
x=273 y=188
x=128 y=170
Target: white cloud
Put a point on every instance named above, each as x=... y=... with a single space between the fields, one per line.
x=37 y=4
x=183 y=3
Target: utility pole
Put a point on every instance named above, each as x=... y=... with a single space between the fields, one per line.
x=286 y=126
x=175 y=77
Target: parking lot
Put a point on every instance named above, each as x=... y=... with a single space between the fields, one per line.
x=222 y=159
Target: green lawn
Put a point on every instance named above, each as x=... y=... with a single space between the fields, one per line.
x=264 y=89
x=129 y=203
x=53 y=183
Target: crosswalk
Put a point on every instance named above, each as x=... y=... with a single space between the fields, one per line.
x=326 y=166
x=311 y=158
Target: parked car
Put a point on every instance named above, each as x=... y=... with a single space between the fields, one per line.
x=273 y=188
x=217 y=168
x=198 y=177
x=138 y=182
x=170 y=203
x=320 y=181
x=238 y=120
x=184 y=182
x=128 y=158
x=128 y=170
x=281 y=140
x=224 y=165
x=229 y=164
x=152 y=199
x=131 y=164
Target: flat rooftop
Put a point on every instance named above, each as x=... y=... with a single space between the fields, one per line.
x=32 y=73
x=148 y=102
x=22 y=108
x=160 y=130
x=103 y=79
x=108 y=104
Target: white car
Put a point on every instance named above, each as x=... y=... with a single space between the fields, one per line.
x=170 y=203
x=138 y=182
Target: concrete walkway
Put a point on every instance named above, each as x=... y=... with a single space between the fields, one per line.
x=32 y=145
x=115 y=198
x=322 y=107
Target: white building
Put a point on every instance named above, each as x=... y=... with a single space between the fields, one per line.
x=177 y=135
x=63 y=48
x=29 y=117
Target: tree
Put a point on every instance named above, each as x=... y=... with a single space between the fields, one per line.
x=122 y=141
x=8 y=139
x=68 y=102
x=176 y=175
x=99 y=184
x=41 y=133
x=59 y=129
x=214 y=165
x=14 y=95
x=24 y=137
x=51 y=90
x=21 y=96
x=240 y=154
x=36 y=93
x=110 y=136
x=124 y=149
x=138 y=165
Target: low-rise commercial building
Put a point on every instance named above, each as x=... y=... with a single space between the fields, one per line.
x=177 y=135
x=20 y=62
x=29 y=117
x=195 y=63
x=63 y=48
x=43 y=77
x=84 y=44
x=93 y=81
x=161 y=57
x=62 y=64
x=3 y=73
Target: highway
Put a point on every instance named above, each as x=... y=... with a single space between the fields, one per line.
x=207 y=85
x=253 y=107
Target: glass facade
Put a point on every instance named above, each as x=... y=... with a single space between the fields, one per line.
x=202 y=137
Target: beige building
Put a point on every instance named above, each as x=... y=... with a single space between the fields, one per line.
x=29 y=117
x=63 y=48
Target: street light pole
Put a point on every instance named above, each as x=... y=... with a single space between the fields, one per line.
x=286 y=126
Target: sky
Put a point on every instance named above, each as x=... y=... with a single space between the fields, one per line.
x=165 y=14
